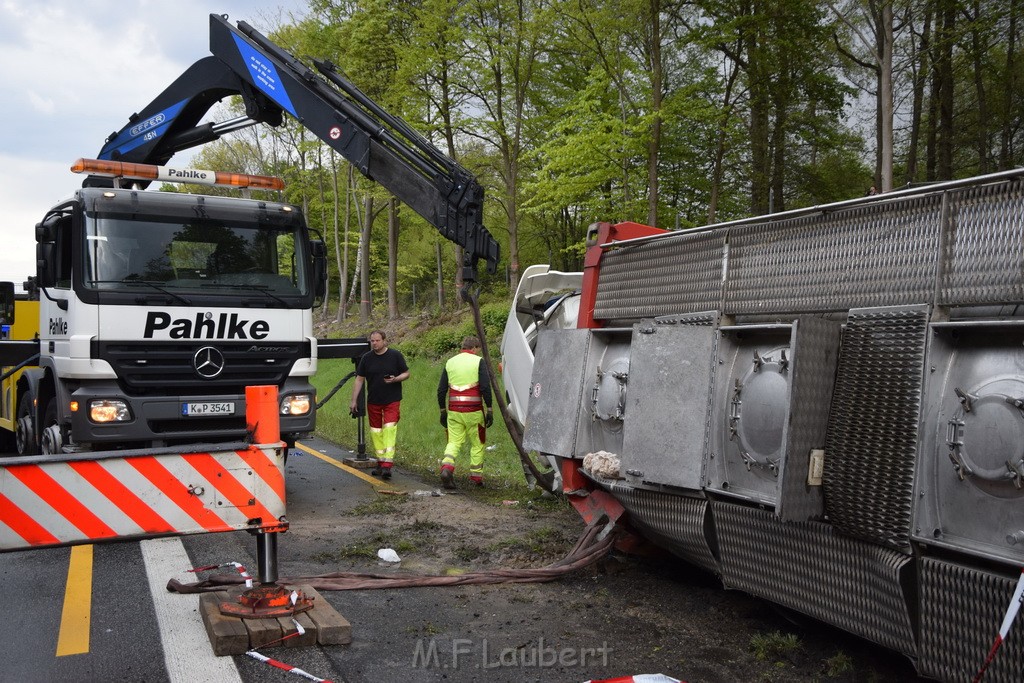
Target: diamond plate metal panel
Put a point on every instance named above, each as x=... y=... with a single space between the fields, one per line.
x=971 y=470
x=961 y=610
x=676 y=523
x=555 y=391
x=983 y=256
x=670 y=368
x=816 y=353
x=872 y=440
x=879 y=254
x=681 y=273
x=809 y=568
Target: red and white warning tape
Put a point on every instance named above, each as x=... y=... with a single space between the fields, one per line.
x=1004 y=629
x=642 y=678
x=281 y=665
x=286 y=667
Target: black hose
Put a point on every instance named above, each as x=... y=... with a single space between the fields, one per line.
x=19 y=366
x=337 y=386
x=472 y=298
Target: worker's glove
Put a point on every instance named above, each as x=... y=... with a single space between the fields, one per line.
x=488 y=418
x=444 y=419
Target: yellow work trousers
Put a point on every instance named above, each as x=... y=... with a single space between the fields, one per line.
x=463 y=427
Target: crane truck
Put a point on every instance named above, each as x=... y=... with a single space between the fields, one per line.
x=823 y=408
x=150 y=311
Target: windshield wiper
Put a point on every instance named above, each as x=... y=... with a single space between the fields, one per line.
x=129 y=280
x=262 y=289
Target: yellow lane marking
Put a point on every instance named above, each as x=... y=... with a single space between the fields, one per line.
x=75 y=618
x=340 y=465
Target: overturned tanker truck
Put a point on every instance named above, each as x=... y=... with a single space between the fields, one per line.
x=823 y=407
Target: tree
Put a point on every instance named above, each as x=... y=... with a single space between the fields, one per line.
x=870 y=23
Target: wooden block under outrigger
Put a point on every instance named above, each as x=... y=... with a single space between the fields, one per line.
x=232 y=635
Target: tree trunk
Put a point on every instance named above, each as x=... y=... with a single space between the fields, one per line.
x=978 y=47
x=760 y=159
x=723 y=127
x=337 y=236
x=944 y=167
x=364 y=260
x=885 y=96
x=922 y=65
x=654 y=146
x=440 y=276
x=1009 y=121
x=392 y=258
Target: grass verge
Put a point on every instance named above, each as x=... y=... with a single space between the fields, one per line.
x=421 y=439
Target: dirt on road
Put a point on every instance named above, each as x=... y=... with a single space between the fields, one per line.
x=624 y=615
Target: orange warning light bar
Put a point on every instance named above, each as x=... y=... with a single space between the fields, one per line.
x=122 y=169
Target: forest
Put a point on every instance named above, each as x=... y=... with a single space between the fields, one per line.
x=671 y=113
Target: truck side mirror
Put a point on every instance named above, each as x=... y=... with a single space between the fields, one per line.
x=46 y=264
x=319 y=251
x=46 y=254
x=6 y=303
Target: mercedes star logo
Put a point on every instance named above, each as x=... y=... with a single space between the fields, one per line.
x=208 y=362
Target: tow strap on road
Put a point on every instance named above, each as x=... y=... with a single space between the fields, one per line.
x=595 y=542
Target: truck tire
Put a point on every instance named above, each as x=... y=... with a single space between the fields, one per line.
x=25 y=434
x=50 y=438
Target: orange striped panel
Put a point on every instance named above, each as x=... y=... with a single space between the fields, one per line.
x=62 y=502
x=23 y=525
x=229 y=487
x=121 y=496
x=169 y=485
x=265 y=468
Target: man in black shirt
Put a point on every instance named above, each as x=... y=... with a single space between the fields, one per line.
x=382 y=370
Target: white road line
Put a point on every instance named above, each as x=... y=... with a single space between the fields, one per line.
x=188 y=655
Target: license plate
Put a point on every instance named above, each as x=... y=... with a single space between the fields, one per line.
x=207 y=408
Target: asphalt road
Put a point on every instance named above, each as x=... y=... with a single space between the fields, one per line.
x=59 y=627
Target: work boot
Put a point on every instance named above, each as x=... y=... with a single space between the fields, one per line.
x=447 y=476
x=385 y=472
x=376 y=471
x=476 y=480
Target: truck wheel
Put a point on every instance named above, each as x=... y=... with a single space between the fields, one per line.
x=25 y=433
x=52 y=443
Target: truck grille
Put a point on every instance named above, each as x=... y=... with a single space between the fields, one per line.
x=150 y=368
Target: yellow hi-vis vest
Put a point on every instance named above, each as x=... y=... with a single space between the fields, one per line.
x=464 y=382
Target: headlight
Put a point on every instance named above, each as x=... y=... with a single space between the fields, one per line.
x=109 y=410
x=296 y=404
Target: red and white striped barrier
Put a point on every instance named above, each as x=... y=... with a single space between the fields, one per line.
x=44 y=502
x=50 y=500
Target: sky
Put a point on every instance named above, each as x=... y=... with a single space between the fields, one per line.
x=71 y=73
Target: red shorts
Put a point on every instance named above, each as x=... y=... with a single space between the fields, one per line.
x=380 y=415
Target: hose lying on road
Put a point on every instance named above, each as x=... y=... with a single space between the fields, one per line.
x=595 y=542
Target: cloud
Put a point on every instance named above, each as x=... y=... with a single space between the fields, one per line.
x=74 y=71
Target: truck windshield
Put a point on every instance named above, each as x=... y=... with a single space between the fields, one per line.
x=212 y=257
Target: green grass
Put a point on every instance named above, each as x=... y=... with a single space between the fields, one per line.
x=771 y=647
x=421 y=439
